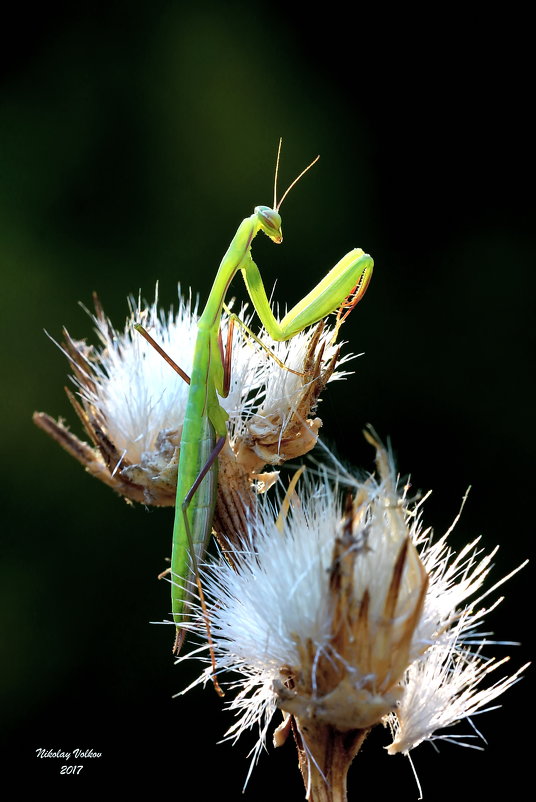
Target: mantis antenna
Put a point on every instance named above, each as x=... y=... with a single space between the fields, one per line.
x=277 y=205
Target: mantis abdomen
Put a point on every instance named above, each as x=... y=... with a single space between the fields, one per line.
x=193 y=524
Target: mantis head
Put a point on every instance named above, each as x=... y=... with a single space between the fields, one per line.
x=270 y=222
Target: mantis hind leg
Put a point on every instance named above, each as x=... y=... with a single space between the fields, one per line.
x=226 y=354
x=165 y=356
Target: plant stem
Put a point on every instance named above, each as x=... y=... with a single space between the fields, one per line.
x=324 y=763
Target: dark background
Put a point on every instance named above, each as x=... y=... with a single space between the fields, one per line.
x=134 y=138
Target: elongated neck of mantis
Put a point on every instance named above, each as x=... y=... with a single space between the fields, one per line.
x=231 y=263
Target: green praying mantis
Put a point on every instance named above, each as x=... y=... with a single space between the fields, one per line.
x=205 y=431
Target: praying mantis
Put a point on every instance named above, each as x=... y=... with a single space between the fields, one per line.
x=204 y=430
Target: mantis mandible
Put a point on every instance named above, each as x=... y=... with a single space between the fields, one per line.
x=204 y=431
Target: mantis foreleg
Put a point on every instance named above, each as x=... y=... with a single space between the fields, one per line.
x=350 y=276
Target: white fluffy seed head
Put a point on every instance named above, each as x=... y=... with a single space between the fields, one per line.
x=139 y=396
x=281 y=598
x=137 y=392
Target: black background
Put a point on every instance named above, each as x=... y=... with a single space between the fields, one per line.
x=134 y=138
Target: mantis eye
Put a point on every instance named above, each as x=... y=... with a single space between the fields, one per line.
x=270 y=221
x=270 y=218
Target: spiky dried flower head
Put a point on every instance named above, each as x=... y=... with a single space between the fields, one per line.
x=349 y=617
x=132 y=404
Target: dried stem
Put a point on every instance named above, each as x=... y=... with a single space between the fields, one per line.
x=326 y=758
